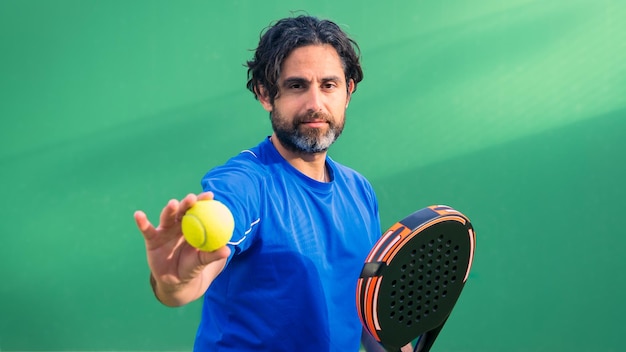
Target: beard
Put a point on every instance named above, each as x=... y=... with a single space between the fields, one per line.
x=299 y=138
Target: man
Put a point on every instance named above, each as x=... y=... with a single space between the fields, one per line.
x=303 y=222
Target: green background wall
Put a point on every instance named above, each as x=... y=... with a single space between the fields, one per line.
x=510 y=111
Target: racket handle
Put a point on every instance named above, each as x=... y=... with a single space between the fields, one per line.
x=427 y=339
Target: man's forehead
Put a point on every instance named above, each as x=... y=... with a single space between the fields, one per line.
x=312 y=62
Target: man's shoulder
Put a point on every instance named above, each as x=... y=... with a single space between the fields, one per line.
x=260 y=154
x=249 y=159
x=348 y=172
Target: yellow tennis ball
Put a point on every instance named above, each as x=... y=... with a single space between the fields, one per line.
x=208 y=225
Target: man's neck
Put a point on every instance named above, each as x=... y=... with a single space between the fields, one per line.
x=311 y=164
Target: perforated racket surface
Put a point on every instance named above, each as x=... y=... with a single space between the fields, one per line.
x=414 y=275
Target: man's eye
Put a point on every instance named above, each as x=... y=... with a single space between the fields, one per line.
x=295 y=86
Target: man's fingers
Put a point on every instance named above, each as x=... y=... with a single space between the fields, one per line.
x=189 y=202
x=175 y=210
x=209 y=257
x=205 y=196
x=144 y=225
x=169 y=214
x=170 y=217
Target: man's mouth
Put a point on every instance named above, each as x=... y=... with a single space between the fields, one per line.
x=315 y=123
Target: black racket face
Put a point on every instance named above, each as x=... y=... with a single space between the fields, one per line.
x=415 y=274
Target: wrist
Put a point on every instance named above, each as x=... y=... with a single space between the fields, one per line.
x=162 y=293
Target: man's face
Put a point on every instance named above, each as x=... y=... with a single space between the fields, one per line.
x=308 y=114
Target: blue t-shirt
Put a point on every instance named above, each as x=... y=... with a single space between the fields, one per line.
x=296 y=254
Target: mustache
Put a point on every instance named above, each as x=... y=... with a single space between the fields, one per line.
x=313 y=116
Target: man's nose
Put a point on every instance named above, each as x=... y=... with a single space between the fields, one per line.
x=315 y=100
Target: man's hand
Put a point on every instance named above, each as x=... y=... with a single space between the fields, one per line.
x=180 y=272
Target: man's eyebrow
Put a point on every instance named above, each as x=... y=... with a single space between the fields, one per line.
x=302 y=80
x=331 y=78
x=291 y=80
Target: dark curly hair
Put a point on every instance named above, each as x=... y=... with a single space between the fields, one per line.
x=280 y=39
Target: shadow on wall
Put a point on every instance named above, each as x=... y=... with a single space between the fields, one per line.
x=547 y=212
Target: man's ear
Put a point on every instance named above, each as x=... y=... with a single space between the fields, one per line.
x=264 y=98
x=350 y=90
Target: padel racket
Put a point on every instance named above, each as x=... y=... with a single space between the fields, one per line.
x=414 y=275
